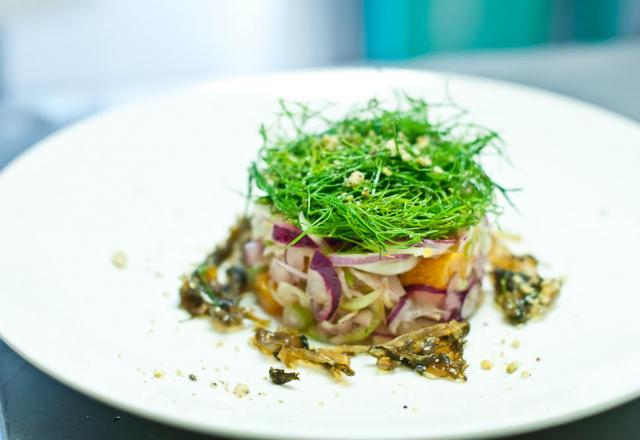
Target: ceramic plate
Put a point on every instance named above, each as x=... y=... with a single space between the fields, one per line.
x=160 y=182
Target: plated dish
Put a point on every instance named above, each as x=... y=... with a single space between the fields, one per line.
x=105 y=215
x=374 y=229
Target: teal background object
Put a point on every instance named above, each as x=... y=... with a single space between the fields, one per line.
x=400 y=29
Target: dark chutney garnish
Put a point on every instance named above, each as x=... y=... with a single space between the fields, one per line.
x=435 y=351
x=279 y=376
x=290 y=347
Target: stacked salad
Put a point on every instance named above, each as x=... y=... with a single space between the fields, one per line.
x=372 y=225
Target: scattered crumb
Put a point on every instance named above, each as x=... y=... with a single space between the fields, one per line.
x=216 y=369
x=179 y=373
x=485 y=324
x=158 y=274
x=538 y=359
x=502 y=341
x=512 y=367
x=119 y=259
x=225 y=367
x=117 y=418
x=515 y=343
x=525 y=374
x=213 y=385
x=119 y=355
x=486 y=364
x=502 y=355
x=405 y=406
x=414 y=409
x=194 y=395
x=241 y=390
x=280 y=401
x=158 y=374
x=220 y=343
x=193 y=377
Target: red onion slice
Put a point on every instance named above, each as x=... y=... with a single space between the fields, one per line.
x=252 y=252
x=323 y=287
x=285 y=233
x=331 y=329
x=278 y=273
x=392 y=291
x=424 y=288
x=395 y=266
x=290 y=269
x=371 y=280
x=471 y=301
x=439 y=242
x=295 y=257
x=393 y=314
x=383 y=332
x=359 y=259
x=412 y=310
x=432 y=299
x=456 y=298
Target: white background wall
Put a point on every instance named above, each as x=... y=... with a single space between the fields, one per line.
x=94 y=45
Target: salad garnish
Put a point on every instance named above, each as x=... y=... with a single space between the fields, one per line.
x=370 y=233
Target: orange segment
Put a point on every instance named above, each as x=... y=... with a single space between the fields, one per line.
x=435 y=272
x=263 y=288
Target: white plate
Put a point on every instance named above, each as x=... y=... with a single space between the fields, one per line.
x=158 y=180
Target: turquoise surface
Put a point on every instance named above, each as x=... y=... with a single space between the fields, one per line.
x=400 y=29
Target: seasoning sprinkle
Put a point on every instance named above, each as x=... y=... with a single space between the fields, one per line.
x=512 y=367
x=119 y=259
x=241 y=390
x=486 y=364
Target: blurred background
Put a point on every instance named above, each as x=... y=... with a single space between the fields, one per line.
x=61 y=60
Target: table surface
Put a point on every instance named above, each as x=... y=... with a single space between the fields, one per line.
x=34 y=406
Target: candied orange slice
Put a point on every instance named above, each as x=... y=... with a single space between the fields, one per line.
x=435 y=272
x=264 y=293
